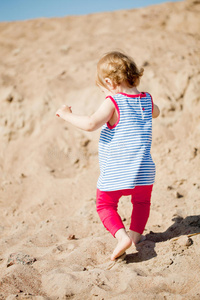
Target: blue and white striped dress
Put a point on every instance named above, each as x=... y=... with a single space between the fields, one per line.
x=124 y=148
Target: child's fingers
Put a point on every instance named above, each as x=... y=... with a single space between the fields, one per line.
x=64 y=106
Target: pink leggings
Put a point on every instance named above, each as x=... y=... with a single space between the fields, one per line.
x=107 y=203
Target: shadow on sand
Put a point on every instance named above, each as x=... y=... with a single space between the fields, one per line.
x=181 y=226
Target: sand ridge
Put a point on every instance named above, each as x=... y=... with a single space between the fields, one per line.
x=49 y=169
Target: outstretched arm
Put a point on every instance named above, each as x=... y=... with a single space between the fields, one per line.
x=88 y=123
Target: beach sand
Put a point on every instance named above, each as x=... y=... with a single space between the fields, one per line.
x=49 y=169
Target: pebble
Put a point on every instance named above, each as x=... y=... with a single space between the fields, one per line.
x=194 y=153
x=71 y=237
x=85 y=142
x=169 y=262
x=169 y=187
x=185 y=241
x=20 y=258
x=23 y=175
x=178 y=195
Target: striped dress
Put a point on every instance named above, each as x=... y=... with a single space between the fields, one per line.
x=124 y=148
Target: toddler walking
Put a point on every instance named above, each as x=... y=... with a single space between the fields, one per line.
x=126 y=165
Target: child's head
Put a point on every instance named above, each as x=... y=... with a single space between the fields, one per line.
x=119 y=68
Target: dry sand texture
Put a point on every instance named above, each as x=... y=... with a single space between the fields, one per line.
x=49 y=169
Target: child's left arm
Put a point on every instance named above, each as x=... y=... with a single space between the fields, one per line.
x=88 y=123
x=156 y=111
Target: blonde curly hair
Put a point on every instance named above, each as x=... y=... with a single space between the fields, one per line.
x=118 y=67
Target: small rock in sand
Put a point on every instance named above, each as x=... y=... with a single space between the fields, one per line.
x=23 y=175
x=178 y=195
x=71 y=237
x=185 y=241
x=169 y=188
x=20 y=258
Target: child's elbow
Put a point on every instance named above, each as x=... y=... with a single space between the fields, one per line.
x=155 y=115
x=90 y=129
x=91 y=126
x=156 y=111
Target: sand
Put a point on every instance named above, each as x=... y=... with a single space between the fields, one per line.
x=49 y=169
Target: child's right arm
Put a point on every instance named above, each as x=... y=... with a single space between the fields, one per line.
x=156 y=111
x=88 y=123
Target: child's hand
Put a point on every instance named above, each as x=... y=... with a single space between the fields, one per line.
x=63 y=110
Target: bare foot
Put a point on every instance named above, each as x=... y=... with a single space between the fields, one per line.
x=136 y=237
x=124 y=242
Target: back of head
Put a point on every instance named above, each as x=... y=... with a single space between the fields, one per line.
x=119 y=68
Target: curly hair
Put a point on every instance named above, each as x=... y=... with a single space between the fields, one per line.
x=119 y=68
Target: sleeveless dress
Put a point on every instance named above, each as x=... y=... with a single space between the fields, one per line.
x=124 y=149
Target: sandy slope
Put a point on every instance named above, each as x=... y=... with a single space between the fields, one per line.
x=49 y=169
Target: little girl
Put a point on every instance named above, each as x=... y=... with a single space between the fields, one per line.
x=126 y=165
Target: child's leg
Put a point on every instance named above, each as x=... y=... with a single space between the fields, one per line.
x=141 y=200
x=106 y=204
x=124 y=242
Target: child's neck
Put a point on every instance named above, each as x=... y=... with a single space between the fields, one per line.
x=123 y=88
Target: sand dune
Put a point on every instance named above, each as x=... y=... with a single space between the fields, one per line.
x=49 y=169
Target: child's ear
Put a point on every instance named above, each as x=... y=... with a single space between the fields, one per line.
x=109 y=83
